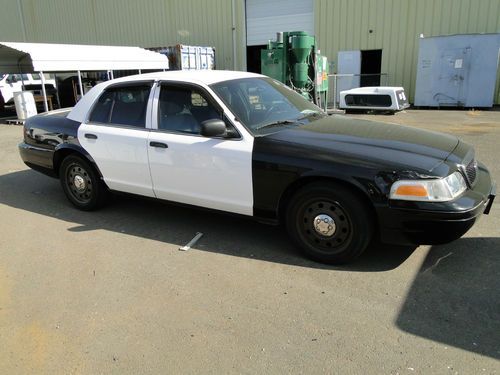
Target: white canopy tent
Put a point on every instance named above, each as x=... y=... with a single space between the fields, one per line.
x=44 y=57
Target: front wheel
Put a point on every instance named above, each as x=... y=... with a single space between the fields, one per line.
x=81 y=184
x=330 y=223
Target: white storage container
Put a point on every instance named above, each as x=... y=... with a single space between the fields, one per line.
x=25 y=104
x=181 y=57
x=457 y=70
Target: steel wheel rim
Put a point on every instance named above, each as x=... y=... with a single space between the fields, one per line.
x=342 y=227
x=76 y=173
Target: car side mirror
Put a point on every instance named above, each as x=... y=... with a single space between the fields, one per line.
x=213 y=128
x=12 y=79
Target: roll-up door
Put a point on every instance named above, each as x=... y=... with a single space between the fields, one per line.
x=265 y=18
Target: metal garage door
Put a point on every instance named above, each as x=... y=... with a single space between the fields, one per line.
x=266 y=17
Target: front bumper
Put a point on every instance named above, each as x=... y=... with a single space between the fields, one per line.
x=419 y=223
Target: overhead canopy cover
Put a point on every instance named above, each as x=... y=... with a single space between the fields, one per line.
x=36 y=57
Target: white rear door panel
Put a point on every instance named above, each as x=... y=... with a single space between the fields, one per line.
x=121 y=154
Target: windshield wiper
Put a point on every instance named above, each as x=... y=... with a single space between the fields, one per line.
x=277 y=123
x=309 y=114
x=290 y=121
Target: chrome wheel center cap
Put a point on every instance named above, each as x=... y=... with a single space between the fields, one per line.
x=79 y=182
x=324 y=225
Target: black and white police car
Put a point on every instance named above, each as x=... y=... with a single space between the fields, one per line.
x=246 y=144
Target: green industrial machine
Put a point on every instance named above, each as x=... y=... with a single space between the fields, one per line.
x=294 y=60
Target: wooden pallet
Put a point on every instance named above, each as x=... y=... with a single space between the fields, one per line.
x=13 y=121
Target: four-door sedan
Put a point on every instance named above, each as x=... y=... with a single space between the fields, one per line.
x=246 y=144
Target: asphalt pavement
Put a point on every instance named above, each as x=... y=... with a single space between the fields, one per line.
x=109 y=292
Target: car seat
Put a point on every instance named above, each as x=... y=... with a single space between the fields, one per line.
x=174 y=112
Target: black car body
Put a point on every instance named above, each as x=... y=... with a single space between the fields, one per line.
x=329 y=178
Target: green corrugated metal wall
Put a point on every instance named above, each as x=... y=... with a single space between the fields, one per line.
x=397 y=24
x=149 y=23
x=339 y=24
x=10 y=22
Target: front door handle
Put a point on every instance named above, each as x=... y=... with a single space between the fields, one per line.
x=90 y=136
x=158 y=144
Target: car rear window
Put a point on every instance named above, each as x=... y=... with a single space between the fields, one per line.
x=124 y=105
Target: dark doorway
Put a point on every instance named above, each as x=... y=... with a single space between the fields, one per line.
x=253 y=58
x=371 y=67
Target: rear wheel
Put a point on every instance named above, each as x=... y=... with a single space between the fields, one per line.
x=81 y=184
x=330 y=223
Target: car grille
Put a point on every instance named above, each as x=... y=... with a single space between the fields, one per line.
x=471 y=172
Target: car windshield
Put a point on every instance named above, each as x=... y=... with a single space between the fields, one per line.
x=262 y=103
x=2 y=75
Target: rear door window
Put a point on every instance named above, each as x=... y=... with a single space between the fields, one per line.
x=123 y=105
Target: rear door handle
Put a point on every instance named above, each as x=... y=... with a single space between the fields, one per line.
x=90 y=136
x=158 y=144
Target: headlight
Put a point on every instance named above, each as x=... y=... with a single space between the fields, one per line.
x=435 y=190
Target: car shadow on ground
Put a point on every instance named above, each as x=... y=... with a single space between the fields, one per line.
x=156 y=220
x=455 y=298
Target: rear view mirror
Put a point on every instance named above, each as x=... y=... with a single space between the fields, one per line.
x=213 y=128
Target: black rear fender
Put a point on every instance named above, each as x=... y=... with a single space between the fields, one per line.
x=65 y=149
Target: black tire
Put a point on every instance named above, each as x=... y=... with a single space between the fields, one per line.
x=91 y=192
x=344 y=237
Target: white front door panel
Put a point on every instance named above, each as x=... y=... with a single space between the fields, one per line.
x=121 y=153
x=207 y=172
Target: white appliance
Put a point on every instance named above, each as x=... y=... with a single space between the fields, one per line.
x=386 y=99
x=25 y=104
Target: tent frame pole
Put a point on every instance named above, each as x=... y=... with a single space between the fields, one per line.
x=80 y=83
x=45 y=104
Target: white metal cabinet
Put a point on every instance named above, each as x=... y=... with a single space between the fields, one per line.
x=349 y=62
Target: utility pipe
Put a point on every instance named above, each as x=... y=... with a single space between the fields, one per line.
x=45 y=104
x=80 y=83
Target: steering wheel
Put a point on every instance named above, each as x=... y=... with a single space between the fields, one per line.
x=274 y=107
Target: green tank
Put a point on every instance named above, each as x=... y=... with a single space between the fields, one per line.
x=294 y=60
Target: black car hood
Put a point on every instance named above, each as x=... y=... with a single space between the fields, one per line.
x=391 y=143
